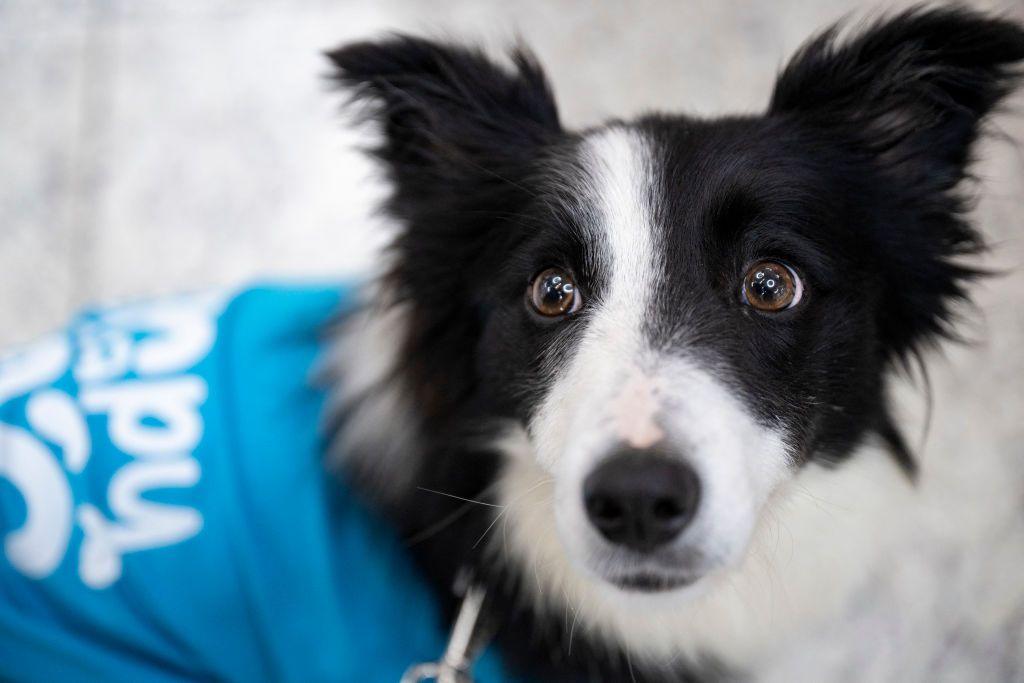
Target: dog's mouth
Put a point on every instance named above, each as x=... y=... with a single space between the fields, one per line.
x=649 y=582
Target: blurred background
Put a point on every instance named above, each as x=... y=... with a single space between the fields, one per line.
x=150 y=147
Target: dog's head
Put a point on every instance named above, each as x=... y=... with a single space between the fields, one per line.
x=665 y=319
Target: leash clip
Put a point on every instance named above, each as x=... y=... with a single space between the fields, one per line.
x=462 y=648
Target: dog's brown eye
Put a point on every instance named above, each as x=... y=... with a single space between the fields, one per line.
x=771 y=286
x=553 y=293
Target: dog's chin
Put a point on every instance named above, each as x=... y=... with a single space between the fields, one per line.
x=682 y=573
x=675 y=576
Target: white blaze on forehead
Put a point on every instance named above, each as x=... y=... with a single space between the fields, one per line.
x=614 y=180
x=620 y=180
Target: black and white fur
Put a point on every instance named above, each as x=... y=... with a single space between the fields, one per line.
x=449 y=389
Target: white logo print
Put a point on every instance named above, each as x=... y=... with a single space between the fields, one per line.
x=129 y=369
x=37 y=547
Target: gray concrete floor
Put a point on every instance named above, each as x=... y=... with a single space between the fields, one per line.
x=167 y=146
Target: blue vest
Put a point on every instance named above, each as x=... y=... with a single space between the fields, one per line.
x=165 y=513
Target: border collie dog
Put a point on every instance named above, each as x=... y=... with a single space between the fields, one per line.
x=613 y=373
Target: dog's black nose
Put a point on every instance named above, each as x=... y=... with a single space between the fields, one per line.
x=641 y=500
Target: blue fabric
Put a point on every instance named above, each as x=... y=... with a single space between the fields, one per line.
x=165 y=514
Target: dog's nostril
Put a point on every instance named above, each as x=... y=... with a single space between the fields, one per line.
x=605 y=509
x=641 y=500
x=666 y=508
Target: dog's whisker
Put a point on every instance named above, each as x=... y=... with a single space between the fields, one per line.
x=446 y=521
x=438 y=526
x=572 y=630
x=452 y=495
x=489 y=527
x=506 y=506
x=629 y=664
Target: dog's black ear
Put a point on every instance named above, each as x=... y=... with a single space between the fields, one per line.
x=452 y=119
x=914 y=87
x=462 y=139
x=909 y=95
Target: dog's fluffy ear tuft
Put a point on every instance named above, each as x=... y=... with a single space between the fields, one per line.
x=909 y=95
x=446 y=111
x=913 y=87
